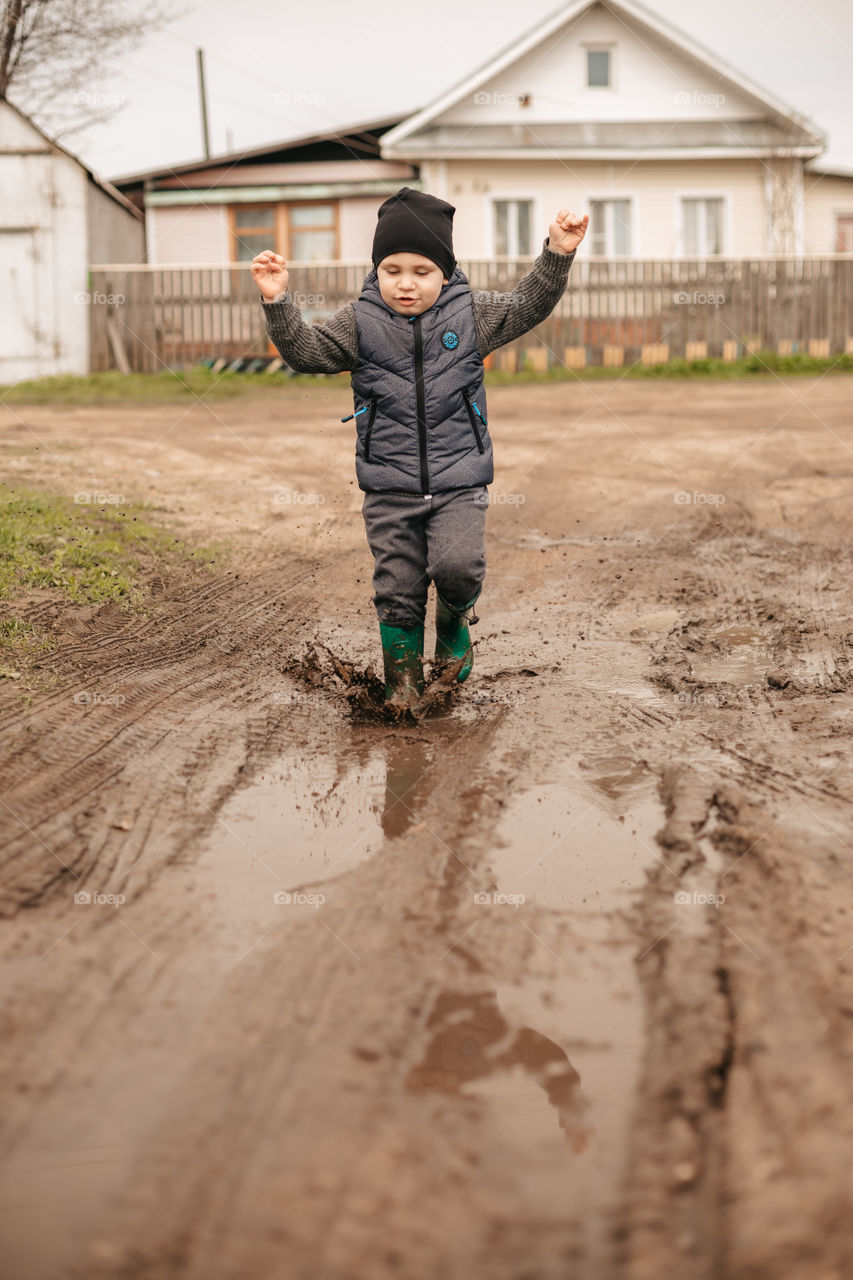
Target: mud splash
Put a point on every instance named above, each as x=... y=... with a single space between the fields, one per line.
x=363 y=691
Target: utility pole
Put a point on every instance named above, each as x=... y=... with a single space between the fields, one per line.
x=203 y=96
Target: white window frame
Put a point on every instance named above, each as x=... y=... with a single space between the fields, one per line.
x=633 y=203
x=598 y=46
x=535 y=221
x=678 y=221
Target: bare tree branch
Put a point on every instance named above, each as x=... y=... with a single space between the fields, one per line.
x=55 y=53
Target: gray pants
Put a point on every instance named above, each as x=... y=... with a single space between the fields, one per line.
x=417 y=540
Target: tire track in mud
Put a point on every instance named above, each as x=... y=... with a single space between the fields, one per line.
x=122 y=752
x=322 y=1065
x=729 y=1143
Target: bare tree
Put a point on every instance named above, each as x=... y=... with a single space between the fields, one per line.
x=55 y=53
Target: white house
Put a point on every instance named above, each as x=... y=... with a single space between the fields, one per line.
x=604 y=107
x=56 y=217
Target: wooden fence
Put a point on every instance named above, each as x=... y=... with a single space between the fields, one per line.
x=615 y=311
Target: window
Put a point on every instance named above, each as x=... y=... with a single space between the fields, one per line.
x=512 y=222
x=844 y=233
x=313 y=232
x=610 y=222
x=598 y=68
x=253 y=229
x=701 y=226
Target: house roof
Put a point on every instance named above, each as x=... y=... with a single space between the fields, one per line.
x=361 y=138
x=679 y=40
x=53 y=145
x=829 y=170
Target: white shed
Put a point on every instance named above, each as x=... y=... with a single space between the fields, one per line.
x=56 y=217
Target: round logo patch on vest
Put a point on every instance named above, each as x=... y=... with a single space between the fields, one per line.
x=450 y=339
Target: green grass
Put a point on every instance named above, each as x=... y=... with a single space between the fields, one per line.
x=20 y=642
x=762 y=363
x=84 y=554
x=172 y=387
x=144 y=388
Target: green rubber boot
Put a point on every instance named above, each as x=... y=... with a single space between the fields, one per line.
x=452 y=638
x=402 y=652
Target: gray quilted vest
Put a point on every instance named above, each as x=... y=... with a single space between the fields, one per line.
x=420 y=404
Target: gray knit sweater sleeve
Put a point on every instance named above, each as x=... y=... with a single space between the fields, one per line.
x=332 y=346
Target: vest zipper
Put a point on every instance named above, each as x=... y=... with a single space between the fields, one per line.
x=421 y=403
x=481 y=447
x=368 y=430
x=364 y=409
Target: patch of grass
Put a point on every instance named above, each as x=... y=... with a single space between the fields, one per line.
x=84 y=554
x=764 y=363
x=170 y=386
x=166 y=387
x=20 y=645
x=87 y=553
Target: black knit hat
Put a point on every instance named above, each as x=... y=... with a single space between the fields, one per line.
x=413 y=222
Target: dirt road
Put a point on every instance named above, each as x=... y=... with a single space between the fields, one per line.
x=555 y=982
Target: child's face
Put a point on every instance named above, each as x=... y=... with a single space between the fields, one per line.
x=409 y=282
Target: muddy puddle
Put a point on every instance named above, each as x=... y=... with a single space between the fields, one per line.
x=743 y=657
x=283 y=841
x=543 y=1056
x=581 y=840
x=550 y=1061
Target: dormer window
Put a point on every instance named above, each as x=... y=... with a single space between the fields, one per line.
x=598 y=69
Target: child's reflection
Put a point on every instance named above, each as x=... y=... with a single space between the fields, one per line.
x=471 y=1039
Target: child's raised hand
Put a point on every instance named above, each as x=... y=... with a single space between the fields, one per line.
x=269 y=271
x=566 y=231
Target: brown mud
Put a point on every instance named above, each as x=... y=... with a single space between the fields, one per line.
x=552 y=977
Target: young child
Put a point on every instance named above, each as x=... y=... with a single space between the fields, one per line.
x=414 y=341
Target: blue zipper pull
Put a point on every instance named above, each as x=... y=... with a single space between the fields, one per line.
x=354 y=415
x=479 y=415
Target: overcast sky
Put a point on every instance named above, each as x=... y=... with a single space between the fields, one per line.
x=276 y=71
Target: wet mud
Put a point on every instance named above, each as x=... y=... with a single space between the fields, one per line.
x=550 y=975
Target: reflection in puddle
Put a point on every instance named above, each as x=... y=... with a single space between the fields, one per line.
x=583 y=841
x=745 y=663
x=552 y=1060
x=304 y=822
x=471 y=1040
x=407 y=783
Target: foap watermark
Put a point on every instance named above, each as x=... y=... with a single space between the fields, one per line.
x=696 y=299
x=88 y=499
x=494 y=295
x=682 y=898
x=91 y=698
x=487 y=498
x=483 y=99
x=484 y=899
x=88 y=98
x=684 y=498
x=297 y=698
x=484 y=697
x=309 y=299
x=284 y=898
x=698 y=99
x=698 y=698
x=83 y=897
x=97 y=299
x=293 y=497
x=297 y=98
